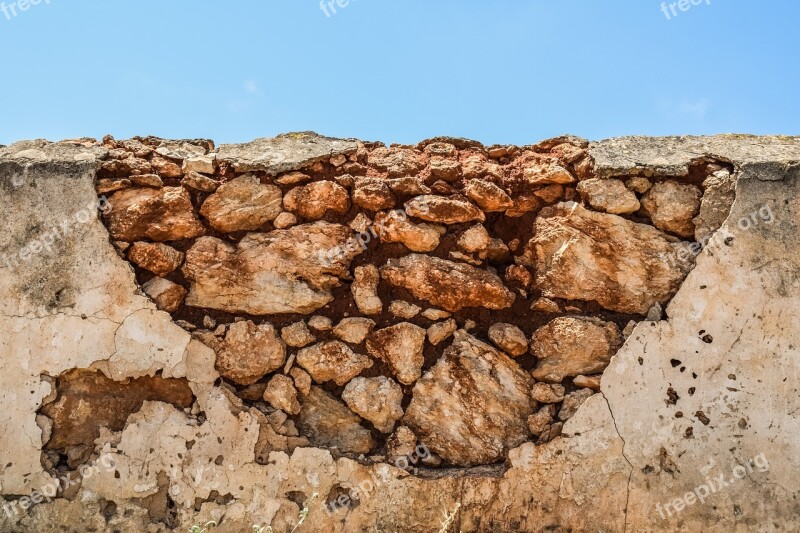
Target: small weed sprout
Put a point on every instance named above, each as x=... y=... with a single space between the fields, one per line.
x=449 y=519
x=305 y=511
x=259 y=529
x=197 y=528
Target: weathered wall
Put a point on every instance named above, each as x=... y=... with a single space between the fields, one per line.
x=722 y=362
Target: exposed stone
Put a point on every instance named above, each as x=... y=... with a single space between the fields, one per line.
x=473 y=405
x=451 y=286
x=573 y=402
x=405 y=310
x=400 y=346
x=548 y=392
x=373 y=194
x=441 y=331
x=281 y=394
x=629 y=270
x=165 y=167
x=443 y=210
x=397 y=162
x=475 y=165
x=361 y=223
x=395 y=227
x=542 y=170
x=332 y=361
x=284 y=271
x=158 y=258
x=375 y=399
x=248 y=352
x=408 y=186
x=475 y=239
x=105 y=186
x=199 y=182
x=88 y=401
x=508 y=338
x=328 y=422
x=639 y=184
x=297 y=335
x=302 y=380
x=199 y=163
x=571 y=346
x=444 y=168
x=524 y=204
x=365 y=290
x=441 y=149
x=152 y=214
x=354 y=330
x=550 y=194
x=488 y=196
x=293 y=178
x=168 y=296
x=588 y=382
x=520 y=275
x=244 y=204
x=284 y=153
x=540 y=421
x=546 y=305
x=435 y=314
x=284 y=220
x=672 y=206
x=312 y=201
x=320 y=323
x=608 y=195
x=401 y=443
x=720 y=192
x=147 y=180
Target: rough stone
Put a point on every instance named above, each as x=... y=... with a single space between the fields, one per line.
x=329 y=423
x=608 y=195
x=572 y=403
x=373 y=194
x=157 y=258
x=297 y=335
x=332 y=361
x=630 y=268
x=365 y=290
x=539 y=422
x=571 y=346
x=441 y=331
x=152 y=214
x=354 y=330
x=473 y=405
x=508 y=338
x=475 y=239
x=405 y=310
x=451 y=286
x=378 y=400
x=243 y=204
x=199 y=182
x=312 y=201
x=248 y=351
x=400 y=346
x=443 y=210
x=167 y=295
x=284 y=153
x=281 y=394
x=672 y=206
x=720 y=192
x=284 y=271
x=488 y=196
x=548 y=392
x=394 y=227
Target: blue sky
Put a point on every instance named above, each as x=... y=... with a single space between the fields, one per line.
x=398 y=71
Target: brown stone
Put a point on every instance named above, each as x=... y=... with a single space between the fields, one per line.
x=365 y=290
x=451 y=286
x=281 y=394
x=378 y=400
x=508 y=338
x=152 y=214
x=248 y=352
x=328 y=422
x=332 y=361
x=395 y=227
x=579 y=254
x=244 y=204
x=400 y=346
x=373 y=194
x=473 y=405
x=488 y=196
x=443 y=210
x=168 y=296
x=397 y=162
x=199 y=182
x=284 y=271
x=571 y=346
x=88 y=401
x=608 y=195
x=672 y=206
x=312 y=201
x=158 y=258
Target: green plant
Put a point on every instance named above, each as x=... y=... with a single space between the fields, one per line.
x=197 y=528
x=259 y=529
x=304 y=512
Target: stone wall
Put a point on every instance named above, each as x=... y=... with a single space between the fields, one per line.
x=444 y=336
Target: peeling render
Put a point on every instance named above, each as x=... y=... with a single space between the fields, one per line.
x=539 y=328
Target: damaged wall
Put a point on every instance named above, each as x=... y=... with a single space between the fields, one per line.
x=237 y=329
